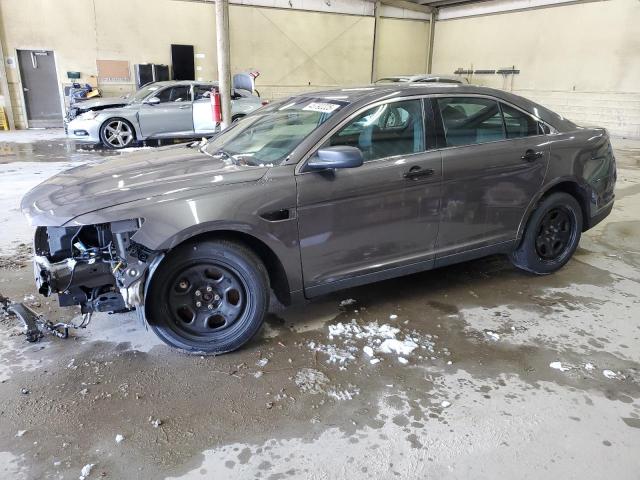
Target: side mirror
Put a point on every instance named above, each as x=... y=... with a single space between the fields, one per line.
x=340 y=156
x=152 y=100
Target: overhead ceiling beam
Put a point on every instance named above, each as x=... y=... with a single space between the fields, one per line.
x=408 y=5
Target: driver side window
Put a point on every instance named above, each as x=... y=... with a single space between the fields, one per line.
x=181 y=93
x=387 y=130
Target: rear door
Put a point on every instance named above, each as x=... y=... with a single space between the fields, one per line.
x=494 y=159
x=378 y=219
x=171 y=117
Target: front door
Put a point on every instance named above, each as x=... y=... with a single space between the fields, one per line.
x=378 y=220
x=493 y=164
x=40 y=87
x=172 y=116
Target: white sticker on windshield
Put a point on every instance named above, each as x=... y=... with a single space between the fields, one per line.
x=321 y=107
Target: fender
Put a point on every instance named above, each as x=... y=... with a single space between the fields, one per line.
x=581 y=187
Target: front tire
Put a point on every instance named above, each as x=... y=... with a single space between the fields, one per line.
x=117 y=133
x=551 y=236
x=208 y=297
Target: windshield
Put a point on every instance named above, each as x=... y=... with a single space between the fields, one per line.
x=270 y=135
x=145 y=91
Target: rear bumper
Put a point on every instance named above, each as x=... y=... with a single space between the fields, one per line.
x=601 y=214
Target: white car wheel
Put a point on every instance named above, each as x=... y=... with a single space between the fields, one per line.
x=117 y=133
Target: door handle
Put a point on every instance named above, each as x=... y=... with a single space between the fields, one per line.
x=184 y=107
x=417 y=172
x=531 y=155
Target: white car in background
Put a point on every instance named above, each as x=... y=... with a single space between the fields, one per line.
x=160 y=110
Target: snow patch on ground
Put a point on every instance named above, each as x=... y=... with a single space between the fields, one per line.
x=559 y=366
x=311 y=381
x=377 y=339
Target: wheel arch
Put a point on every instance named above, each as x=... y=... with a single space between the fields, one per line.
x=278 y=279
x=134 y=126
x=566 y=185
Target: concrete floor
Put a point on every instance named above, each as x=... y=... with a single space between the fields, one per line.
x=514 y=376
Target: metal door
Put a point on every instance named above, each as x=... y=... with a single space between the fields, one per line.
x=40 y=87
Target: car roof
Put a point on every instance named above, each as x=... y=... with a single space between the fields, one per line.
x=166 y=83
x=363 y=95
x=420 y=76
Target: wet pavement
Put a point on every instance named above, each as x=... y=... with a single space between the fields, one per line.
x=472 y=371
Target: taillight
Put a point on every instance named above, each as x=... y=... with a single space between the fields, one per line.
x=265 y=102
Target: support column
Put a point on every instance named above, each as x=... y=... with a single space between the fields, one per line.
x=432 y=29
x=376 y=33
x=224 y=66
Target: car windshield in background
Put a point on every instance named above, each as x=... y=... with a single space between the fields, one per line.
x=268 y=137
x=393 y=80
x=144 y=92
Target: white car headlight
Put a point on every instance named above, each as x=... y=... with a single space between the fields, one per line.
x=90 y=115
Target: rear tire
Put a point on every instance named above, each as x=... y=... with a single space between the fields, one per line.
x=551 y=236
x=208 y=297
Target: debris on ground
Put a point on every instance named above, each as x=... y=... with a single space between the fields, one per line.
x=559 y=366
x=393 y=316
x=368 y=350
x=403 y=360
x=119 y=438
x=492 y=335
x=311 y=381
x=24 y=391
x=589 y=367
x=20 y=433
x=86 y=471
x=19 y=259
x=445 y=404
x=347 y=302
x=610 y=374
x=155 y=422
x=346 y=394
x=262 y=362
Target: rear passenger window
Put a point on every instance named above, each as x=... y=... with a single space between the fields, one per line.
x=387 y=130
x=518 y=123
x=468 y=121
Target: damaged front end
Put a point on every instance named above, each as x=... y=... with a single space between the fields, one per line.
x=98 y=267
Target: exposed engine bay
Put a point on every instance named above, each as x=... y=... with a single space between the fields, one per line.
x=97 y=267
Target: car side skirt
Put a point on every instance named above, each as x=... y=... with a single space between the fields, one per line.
x=499 y=248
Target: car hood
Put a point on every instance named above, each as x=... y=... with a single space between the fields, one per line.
x=102 y=102
x=127 y=178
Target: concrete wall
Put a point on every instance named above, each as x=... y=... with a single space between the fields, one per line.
x=403 y=47
x=582 y=60
x=293 y=49
x=297 y=50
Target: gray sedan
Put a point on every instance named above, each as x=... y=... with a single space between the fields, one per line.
x=173 y=109
x=316 y=193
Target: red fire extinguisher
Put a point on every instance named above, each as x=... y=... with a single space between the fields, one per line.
x=216 y=106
